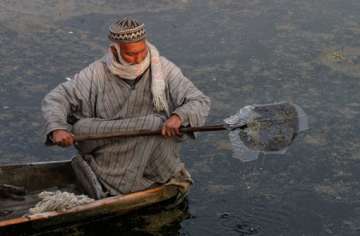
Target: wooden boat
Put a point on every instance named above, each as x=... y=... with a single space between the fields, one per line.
x=37 y=177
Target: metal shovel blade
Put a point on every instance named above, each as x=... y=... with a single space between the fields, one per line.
x=271 y=128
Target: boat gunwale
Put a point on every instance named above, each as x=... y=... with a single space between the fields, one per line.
x=40 y=163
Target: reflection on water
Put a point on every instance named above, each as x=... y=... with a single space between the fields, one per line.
x=239 y=53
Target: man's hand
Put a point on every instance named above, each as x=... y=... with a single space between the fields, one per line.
x=63 y=138
x=171 y=126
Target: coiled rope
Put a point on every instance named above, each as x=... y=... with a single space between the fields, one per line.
x=58 y=201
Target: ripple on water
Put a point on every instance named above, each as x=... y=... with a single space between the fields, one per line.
x=254 y=219
x=292 y=215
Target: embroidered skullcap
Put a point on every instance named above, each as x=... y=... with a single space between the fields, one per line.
x=126 y=30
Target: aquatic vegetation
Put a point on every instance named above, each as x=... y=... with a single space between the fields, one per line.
x=346 y=60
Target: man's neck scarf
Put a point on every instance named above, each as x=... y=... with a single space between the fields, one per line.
x=128 y=71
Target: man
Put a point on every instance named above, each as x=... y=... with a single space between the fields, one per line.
x=132 y=87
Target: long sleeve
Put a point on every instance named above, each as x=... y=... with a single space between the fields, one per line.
x=96 y=126
x=71 y=99
x=190 y=103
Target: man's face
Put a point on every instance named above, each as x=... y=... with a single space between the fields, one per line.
x=134 y=53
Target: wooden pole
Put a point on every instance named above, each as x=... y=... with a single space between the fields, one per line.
x=135 y=133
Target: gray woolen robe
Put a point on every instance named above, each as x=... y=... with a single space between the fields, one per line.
x=95 y=101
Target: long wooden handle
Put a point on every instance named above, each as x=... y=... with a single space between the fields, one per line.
x=135 y=133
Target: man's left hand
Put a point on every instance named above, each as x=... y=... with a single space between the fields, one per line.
x=171 y=126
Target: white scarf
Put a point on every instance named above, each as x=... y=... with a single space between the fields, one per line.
x=127 y=71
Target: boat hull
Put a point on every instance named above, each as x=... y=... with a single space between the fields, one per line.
x=41 y=176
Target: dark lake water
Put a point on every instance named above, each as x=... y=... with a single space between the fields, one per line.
x=238 y=53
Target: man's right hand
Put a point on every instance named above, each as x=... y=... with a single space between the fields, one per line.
x=63 y=138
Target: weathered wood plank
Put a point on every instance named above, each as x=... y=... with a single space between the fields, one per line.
x=37 y=176
x=12 y=192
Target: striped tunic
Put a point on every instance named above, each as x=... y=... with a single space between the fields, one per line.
x=95 y=101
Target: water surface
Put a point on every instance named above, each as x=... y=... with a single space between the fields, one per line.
x=238 y=53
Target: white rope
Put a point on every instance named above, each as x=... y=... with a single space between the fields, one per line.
x=58 y=201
